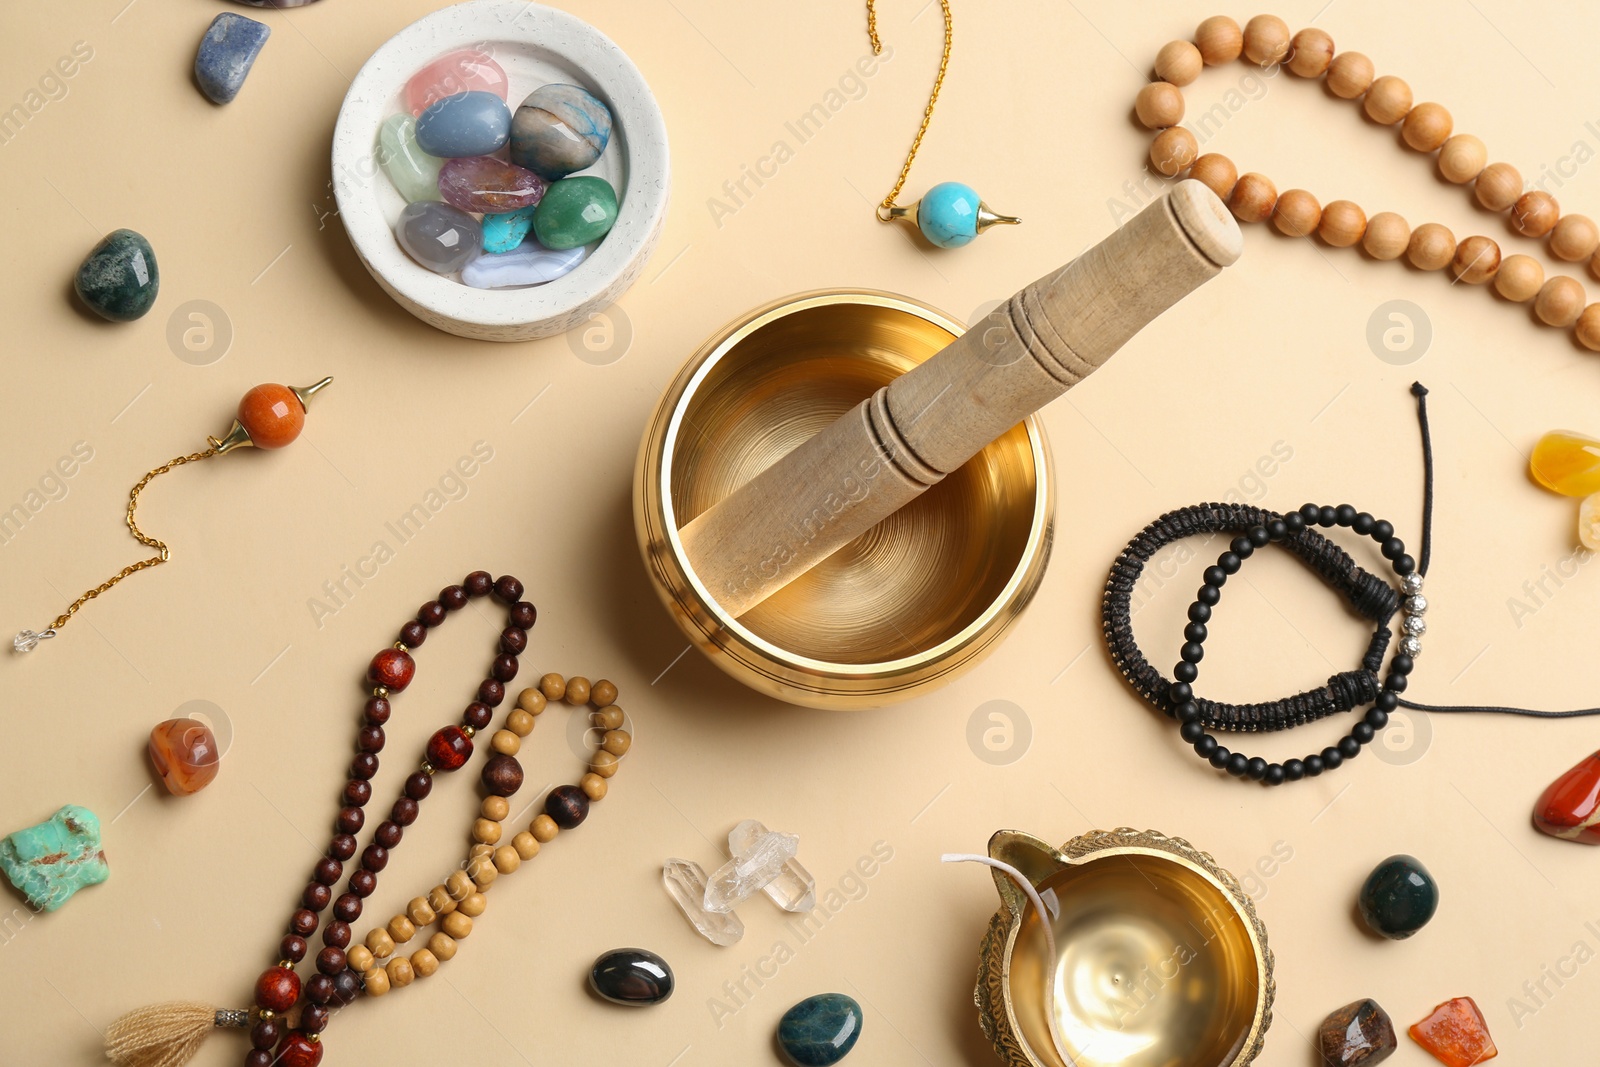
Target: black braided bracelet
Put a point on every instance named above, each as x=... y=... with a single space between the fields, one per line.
x=1369 y=594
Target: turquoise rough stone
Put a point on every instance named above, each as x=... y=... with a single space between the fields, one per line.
x=119 y=280
x=820 y=1030
x=948 y=214
x=502 y=233
x=1399 y=897
x=50 y=862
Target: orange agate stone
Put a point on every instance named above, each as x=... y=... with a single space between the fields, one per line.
x=1455 y=1034
x=185 y=755
x=1570 y=807
x=272 y=415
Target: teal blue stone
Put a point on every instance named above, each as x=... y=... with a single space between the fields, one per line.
x=50 y=862
x=1399 y=897
x=820 y=1030
x=948 y=215
x=504 y=232
x=119 y=280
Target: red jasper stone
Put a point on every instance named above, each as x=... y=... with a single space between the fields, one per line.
x=298 y=1050
x=449 y=749
x=392 y=669
x=272 y=415
x=277 y=989
x=1570 y=808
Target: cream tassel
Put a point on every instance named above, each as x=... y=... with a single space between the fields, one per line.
x=166 y=1035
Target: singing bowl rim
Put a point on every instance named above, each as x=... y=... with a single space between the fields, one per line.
x=752 y=658
x=993 y=995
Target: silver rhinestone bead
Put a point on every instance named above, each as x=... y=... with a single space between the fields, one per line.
x=1415 y=624
x=1412 y=583
x=1416 y=604
x=1411 y=646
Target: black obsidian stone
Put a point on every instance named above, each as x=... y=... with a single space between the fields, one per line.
x=631 y=976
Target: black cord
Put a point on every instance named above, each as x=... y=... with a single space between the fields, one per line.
x=1420 y=391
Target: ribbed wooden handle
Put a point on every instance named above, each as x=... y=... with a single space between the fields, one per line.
x=911 y=433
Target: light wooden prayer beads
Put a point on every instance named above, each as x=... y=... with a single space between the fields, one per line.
x=1424 y=127
x=461 y=898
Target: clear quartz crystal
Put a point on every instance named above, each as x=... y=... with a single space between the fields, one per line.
x=741 y=877
x=686 y=884
x=793 y=889
x=27 y=640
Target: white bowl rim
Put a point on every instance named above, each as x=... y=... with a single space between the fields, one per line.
x=605 y=66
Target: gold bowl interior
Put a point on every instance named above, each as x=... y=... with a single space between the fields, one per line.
x=918 y=579
x=1154 y=967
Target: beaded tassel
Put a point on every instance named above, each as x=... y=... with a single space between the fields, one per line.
x=166 y=1035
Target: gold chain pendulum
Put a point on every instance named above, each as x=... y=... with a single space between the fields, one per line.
x=951 y=214
x=270 y=416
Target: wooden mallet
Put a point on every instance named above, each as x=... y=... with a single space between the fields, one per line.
x=912 y=432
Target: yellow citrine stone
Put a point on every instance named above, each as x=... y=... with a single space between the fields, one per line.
x=1589 y=523
x=1567 y=463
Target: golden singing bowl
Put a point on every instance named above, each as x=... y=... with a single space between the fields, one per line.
x=1159 y=961
x=907 y=606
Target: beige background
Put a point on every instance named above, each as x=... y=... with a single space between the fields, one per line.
x=1271 y=358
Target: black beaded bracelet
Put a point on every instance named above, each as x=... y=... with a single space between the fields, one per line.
x=1369 y=594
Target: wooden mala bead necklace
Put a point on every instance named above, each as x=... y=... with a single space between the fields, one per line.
x=288 y=1017
x=1427 y=128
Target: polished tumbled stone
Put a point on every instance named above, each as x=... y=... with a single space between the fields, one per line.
x=414 y=173
x=227 y=52
x=466 y=124
x=438 y=236
x=820 y=1030
x=1357 y=1035
x=53 y=860
x=505 y=231
x=529 y=264
x=1399 y=897
x=575 y=211
x=631 y=976
x=559 y=129
x=119 y=280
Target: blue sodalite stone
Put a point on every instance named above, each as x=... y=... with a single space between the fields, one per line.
x=559 y=129
x=504 y=232
x=466 y=124
x=119 y=279
x=50 y=862
x=820 y=1030
x=948 y=214
x=227 y=52
x=631 y=976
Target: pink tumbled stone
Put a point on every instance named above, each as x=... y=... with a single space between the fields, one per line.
x=468 y=70
x=488 y=185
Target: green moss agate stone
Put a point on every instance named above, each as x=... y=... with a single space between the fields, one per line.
x=1399 y=897
x=50 y=862
x=119 y=280
x=820 y=1030
x=574 y=212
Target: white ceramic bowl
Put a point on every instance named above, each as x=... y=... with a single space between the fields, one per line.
x=536 y=45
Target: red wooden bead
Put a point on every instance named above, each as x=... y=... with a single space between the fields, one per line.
x=524 y=615
x=277 y=989
x=304 y=922
x=449 y=749
x=392 y=669
x=478 y=715
x=413 y=634
x=265 y=1033
x=330 y=961
x=272 y=415
x=567 y=805
x=453 y=597
x=491 y=692
x=1570 y=807
x=507 y=589
x=377 y=711
x=298 y=1050
x=293 y=949
x=478 y=583
x=259 y=1058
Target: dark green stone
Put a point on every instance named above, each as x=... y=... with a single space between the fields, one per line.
x=575 y=211
x=1399 y=897
x=820 y=1030
x=119 y=280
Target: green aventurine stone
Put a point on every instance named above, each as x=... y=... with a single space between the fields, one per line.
x=414 y=173
x=119 y=280
x=50 y=862
x=574 y=212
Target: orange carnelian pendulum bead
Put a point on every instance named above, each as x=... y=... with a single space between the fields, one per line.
x=270 y=416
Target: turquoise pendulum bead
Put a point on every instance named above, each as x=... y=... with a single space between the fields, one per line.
x=950 y=215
